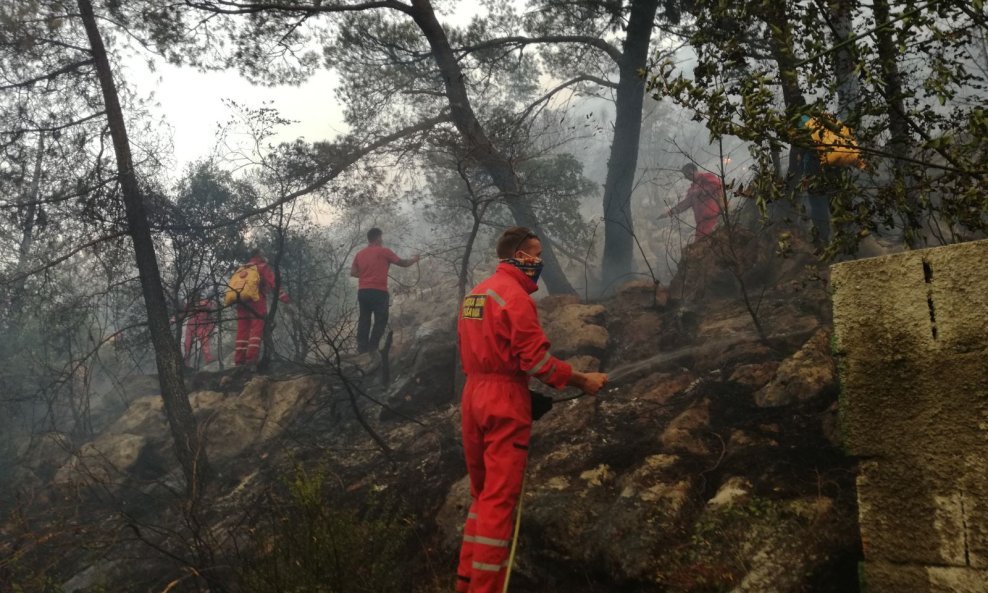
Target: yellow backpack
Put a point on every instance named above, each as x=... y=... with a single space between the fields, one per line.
x=244 y=285
x=835 y=144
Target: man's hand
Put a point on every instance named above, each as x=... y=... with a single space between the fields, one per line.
x=415 y=259
x=590 y=383
x=665 y=214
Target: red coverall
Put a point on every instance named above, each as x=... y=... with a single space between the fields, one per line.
x=250 y=317
x=501 y=346
x=704 y=196
x=200 y=327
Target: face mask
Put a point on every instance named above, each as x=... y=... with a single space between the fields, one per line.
x=530 y=266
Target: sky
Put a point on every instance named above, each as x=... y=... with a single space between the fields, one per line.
x=191 y=103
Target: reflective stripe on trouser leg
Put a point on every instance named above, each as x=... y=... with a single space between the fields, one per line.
x=463 y=569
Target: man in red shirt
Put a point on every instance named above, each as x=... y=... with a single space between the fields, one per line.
x=252 y=314
x=704 y=196
x=501 y=347
x=370 y=266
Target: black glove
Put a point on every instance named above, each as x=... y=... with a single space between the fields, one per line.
x=540 y=404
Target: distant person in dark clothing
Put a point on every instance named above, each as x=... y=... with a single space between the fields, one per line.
x=370 y=266
x=704 y=196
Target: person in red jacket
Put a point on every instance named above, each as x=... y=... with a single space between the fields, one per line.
x=199 y=328
x=252 y=314
x=501 y=346
x=705 y=196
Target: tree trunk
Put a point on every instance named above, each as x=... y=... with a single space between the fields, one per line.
x=184 y=429
x=900 y=142
x=848 y=87
x=481 y=147
x=619 y=226
x=777 y=19
x=28 y=223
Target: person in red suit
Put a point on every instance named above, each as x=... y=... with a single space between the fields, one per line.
x=199 y=328
x=502 y=345
x=705 y=196
x=252 y=314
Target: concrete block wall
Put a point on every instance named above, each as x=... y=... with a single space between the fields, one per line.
x=911 y=340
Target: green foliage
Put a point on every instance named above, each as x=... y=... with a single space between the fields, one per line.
x=310 y=546
x=917 y=112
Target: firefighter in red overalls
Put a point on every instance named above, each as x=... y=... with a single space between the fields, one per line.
x=705 y=196
x=501 y=346
x=199 y=328
x=252 y=314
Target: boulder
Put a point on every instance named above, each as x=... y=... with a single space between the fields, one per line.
x=429 y=383
x=577 y=329
x=807 y=374
x=686 y=432
x=103 y=461
x=735 y=490
x=754 y=376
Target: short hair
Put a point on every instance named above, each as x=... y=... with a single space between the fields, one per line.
x=688 y=169
x=374 y=234
x=256 y=252
x=512 y=239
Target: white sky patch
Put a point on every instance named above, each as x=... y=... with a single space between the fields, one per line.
x=192 y=104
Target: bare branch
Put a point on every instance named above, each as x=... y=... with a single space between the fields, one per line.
x=229 y=7
x=68 y=68
x=596 y=42
x=339 y=166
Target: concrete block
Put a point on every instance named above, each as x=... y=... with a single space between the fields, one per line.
x=880 y=577
x=909 y=517
x=957 y=277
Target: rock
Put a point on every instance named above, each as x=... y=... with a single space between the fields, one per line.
x=584 y=363
x=685 y=432
x=805 y=375
x=430 y=382
x=659 y=387
x=642 y=293
x=733 y=491
x=577 y=330
x=549 y=305
x=103 y=461
x=262 y=411
x=139 y=443
x=754 y=376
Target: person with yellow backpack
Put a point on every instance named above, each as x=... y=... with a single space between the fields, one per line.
x=826 y=150
x=247 y=290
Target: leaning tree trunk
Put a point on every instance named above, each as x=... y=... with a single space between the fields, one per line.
x=619 y=228
x=481 y=147
x=188 y=445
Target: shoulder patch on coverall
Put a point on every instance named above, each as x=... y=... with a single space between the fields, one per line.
x=473 y=306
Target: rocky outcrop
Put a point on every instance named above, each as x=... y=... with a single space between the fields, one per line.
x=805 y=375
x=576 y=329
x=429 y=382
x=138 y=444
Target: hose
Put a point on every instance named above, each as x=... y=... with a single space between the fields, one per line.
x=514 y=538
